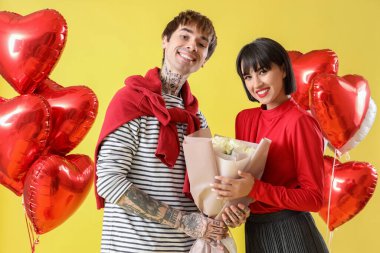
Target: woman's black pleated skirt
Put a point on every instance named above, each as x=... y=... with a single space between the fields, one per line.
x=283 y=232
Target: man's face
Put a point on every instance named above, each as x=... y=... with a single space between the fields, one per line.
x=186 y=51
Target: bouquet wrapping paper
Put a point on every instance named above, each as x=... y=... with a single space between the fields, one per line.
x=204 y=161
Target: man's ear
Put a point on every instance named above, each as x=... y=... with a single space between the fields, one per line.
x=164 y=42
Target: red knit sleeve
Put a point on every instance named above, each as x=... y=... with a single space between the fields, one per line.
x=306 y=141
x=239 y=126
x=245 y=128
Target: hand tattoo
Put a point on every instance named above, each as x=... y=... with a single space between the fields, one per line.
x=194 y=225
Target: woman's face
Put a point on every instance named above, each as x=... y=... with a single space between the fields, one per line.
x=267 y=85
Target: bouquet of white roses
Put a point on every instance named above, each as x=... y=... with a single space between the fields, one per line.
x=229 y=146
x=207 y=157
x=232 y=155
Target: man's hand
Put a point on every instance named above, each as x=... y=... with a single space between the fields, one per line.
x=234 y=216
x=197 y=225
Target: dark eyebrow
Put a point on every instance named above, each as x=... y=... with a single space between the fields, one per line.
x=191 y=31
x=246 y=74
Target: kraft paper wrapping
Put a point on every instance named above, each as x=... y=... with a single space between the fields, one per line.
x=203 y=164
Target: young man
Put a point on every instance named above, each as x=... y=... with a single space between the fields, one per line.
x=141 y=176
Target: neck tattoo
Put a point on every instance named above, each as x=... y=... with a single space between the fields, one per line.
x=171 y=82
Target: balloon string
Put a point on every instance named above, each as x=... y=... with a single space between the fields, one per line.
x=330 y=240
x=347 y=156
x=330 y=193
x=36 y=240
x=30 y=234
x=32 y=240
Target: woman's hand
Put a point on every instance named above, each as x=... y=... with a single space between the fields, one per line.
x=229 y=188
x=234 y=216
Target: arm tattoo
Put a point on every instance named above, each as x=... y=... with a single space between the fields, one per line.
x=138 y=202
x=171 y=216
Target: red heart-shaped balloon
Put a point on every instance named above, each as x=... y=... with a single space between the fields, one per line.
x=339 y=104
x=54 y=188
x=24 y=129
x=30 y=47
x=294 y=55
x=353 y=185
x=73 y=111
x=306 y=67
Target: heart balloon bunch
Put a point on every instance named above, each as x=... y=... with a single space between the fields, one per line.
x=345 y=112
x=348 y=188
x=42 y=125
x=342 y=105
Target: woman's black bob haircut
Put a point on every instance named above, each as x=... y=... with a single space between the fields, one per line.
x=261 y=53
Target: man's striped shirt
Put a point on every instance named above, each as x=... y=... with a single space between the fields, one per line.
x=126 y=157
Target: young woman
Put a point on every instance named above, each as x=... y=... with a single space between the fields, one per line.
x=292 y=183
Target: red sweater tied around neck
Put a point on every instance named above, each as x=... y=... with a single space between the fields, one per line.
x=141 y=96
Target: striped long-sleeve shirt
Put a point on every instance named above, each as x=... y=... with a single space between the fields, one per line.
x=126 y=157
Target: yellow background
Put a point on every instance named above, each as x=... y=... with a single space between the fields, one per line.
x=109 y=40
